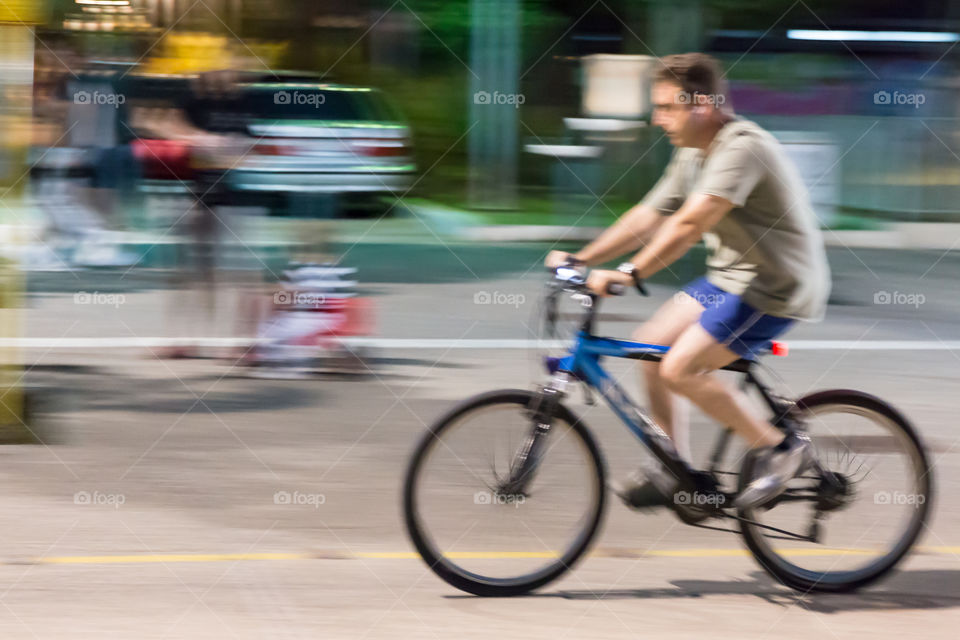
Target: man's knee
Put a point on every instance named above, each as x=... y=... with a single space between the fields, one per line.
x=676 y=374
x=659 y=334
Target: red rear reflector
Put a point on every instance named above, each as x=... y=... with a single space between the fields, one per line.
x=779 y=348
x=381 y=148
x=271 y=150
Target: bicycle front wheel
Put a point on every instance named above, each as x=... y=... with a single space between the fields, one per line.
x=861 y=512
x=490 y=520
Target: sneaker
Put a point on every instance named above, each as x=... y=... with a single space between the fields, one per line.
x=774 y=468
x=646 y=489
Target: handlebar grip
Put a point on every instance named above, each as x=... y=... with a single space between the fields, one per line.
x=616 y=289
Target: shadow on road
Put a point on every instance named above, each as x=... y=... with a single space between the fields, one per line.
x=920 y=589
x=180 y=396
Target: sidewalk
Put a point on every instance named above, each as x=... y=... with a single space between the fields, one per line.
x=424 y=226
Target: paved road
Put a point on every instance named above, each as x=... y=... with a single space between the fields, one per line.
x=155 y=514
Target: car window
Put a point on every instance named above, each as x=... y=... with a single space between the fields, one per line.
x=293 y=103
x=288 y=102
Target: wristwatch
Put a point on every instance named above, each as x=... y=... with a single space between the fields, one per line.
x=630 y=269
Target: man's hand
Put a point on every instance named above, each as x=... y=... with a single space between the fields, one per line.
x=600 y=279
x=556 y=258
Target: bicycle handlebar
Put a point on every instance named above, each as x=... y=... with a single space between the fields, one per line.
x=576 y=278
x=571 y=276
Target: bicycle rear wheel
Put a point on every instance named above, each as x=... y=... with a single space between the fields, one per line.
x=872 y=505
x=478 y=528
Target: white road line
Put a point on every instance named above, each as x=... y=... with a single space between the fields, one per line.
x=443 y=343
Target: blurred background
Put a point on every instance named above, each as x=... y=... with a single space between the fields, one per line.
x=253 y=247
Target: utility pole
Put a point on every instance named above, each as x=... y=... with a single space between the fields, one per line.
x=16 y=84
x=675 y=26
x=494 y=102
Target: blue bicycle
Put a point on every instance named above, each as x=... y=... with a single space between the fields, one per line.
x=506 y=491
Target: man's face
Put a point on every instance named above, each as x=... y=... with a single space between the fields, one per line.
x=674 y=113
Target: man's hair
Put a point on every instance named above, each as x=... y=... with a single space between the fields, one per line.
x=695 y=73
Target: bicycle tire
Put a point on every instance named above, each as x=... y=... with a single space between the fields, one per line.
x=808 y=581
x=472 y=582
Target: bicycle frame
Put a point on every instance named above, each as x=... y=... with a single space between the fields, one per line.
x=583 y=363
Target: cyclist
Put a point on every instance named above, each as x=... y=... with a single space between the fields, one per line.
x=730 y=183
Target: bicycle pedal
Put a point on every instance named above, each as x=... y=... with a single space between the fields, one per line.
x=700 y=498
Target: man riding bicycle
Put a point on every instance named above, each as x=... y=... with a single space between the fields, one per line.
x=730 y=183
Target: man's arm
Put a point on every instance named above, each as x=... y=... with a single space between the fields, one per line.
x=672 y=240
x=638 y=224
x=627 y=234
x=678 y=234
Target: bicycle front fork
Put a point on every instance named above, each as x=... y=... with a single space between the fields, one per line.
x=526 y=460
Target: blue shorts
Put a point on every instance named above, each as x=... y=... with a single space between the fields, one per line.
x=733 y=322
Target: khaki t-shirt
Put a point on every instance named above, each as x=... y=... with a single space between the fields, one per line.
x=768 y=248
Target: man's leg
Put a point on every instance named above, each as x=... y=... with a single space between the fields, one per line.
x=650 y=487
x=667 y=409
x=686 y=371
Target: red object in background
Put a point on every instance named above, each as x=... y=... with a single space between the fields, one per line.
x=359 y=321
x=378 y=148
x=163 y=159
x=779 y=348
x=356 y=320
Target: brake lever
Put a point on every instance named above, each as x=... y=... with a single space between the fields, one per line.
x=616 y=289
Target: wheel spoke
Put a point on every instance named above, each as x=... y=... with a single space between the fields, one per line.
x=873 y=485
x=510 y=526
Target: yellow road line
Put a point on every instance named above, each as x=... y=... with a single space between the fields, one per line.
x=943 y=550
x=462 y=555
x=609 y=552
